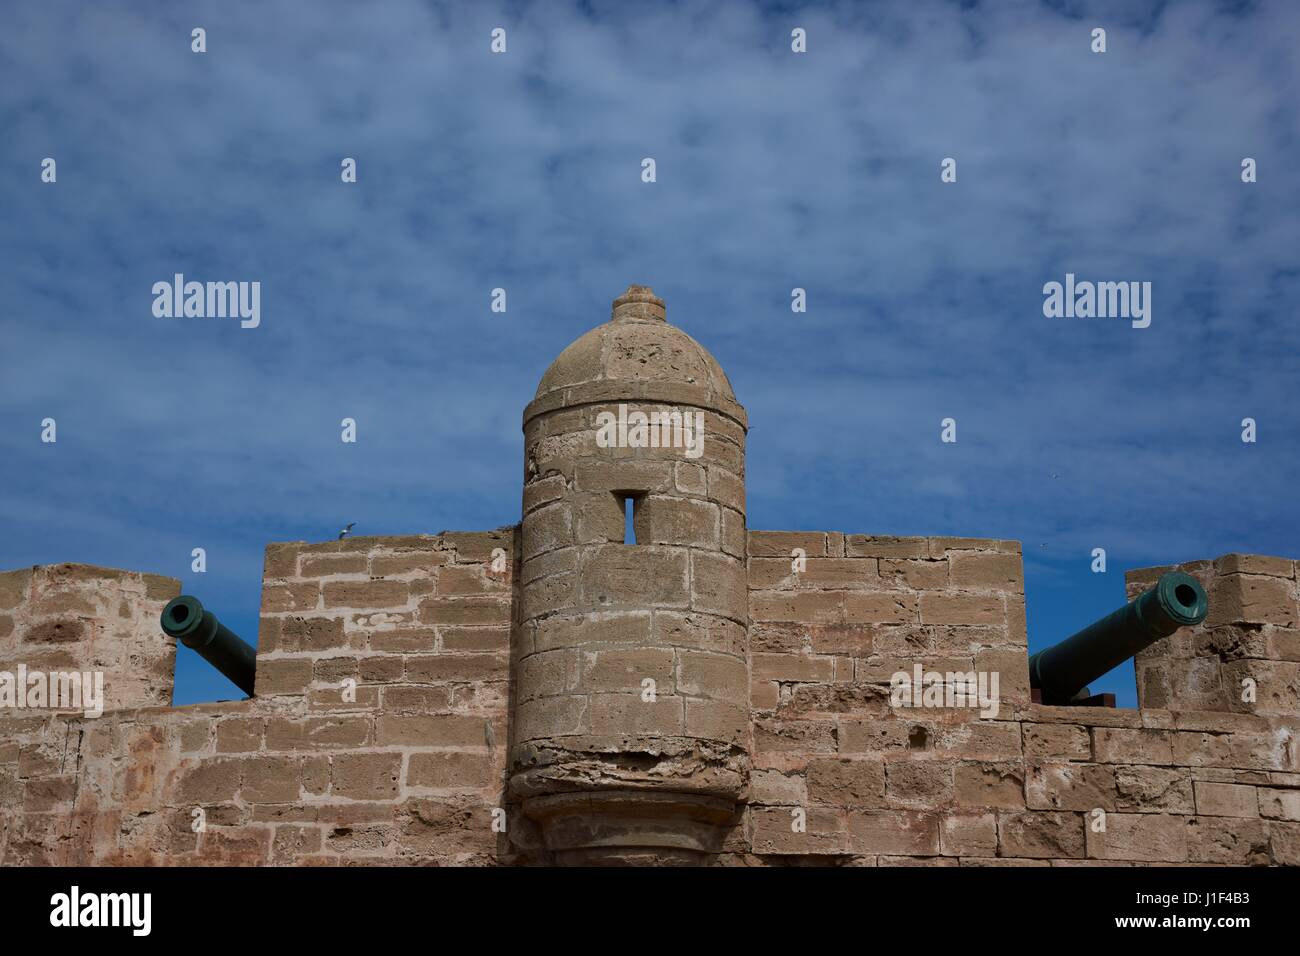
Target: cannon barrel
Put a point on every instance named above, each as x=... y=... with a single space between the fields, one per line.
x=185 y=619
x=1063 y=671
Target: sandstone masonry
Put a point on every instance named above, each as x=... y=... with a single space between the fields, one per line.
x=546 y=693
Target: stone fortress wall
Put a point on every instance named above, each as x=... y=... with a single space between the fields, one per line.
x=546 y=693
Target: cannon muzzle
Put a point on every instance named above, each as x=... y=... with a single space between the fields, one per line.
x=1062 y=672
x=185 y=619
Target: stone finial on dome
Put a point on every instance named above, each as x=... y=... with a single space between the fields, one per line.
x=639 y=302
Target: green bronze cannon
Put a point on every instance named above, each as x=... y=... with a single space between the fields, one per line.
x=185 y=619
x=1062 y=672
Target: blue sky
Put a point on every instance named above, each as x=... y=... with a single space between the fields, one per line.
x=775 y=170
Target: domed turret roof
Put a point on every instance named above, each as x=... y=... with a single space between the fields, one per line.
x=636 y=355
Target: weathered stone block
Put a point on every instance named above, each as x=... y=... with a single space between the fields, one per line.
x=791 y=667
x=799 y=831
x=779 y=544
x=634 y=575
x=1279 y=804
x=552 y=717
x=883 y=607
x=1252 y=599
x=916 y=574
x=601 y=627
x=983 y=570
x=1225 y=800
x=437 y=668
x=1057 y=741
x=210 y=781
x=717 y=676
x=1041 y=835
x=846 y=783
x=14 y=587
x=1070 y=786
x=923 y=784
x=327 y=565
x=365 y=776
x=282 y=676
x=885 y=546
x=990 y=784
x=1226 y=841
x=718 y=586
x=896 y=832
x=277 y=598
x=621 y=670
x=1146 y=837
x=666 y=519
x=1153 y=789
x=468 y=610
x=450 y=770
x=1121 y=745
x=234 y=735
x=717 y=720
x=968 y=834
x=621 y=714
x=1255 y=564
x=968 y=609
x=808 y=607
x=431 y=730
